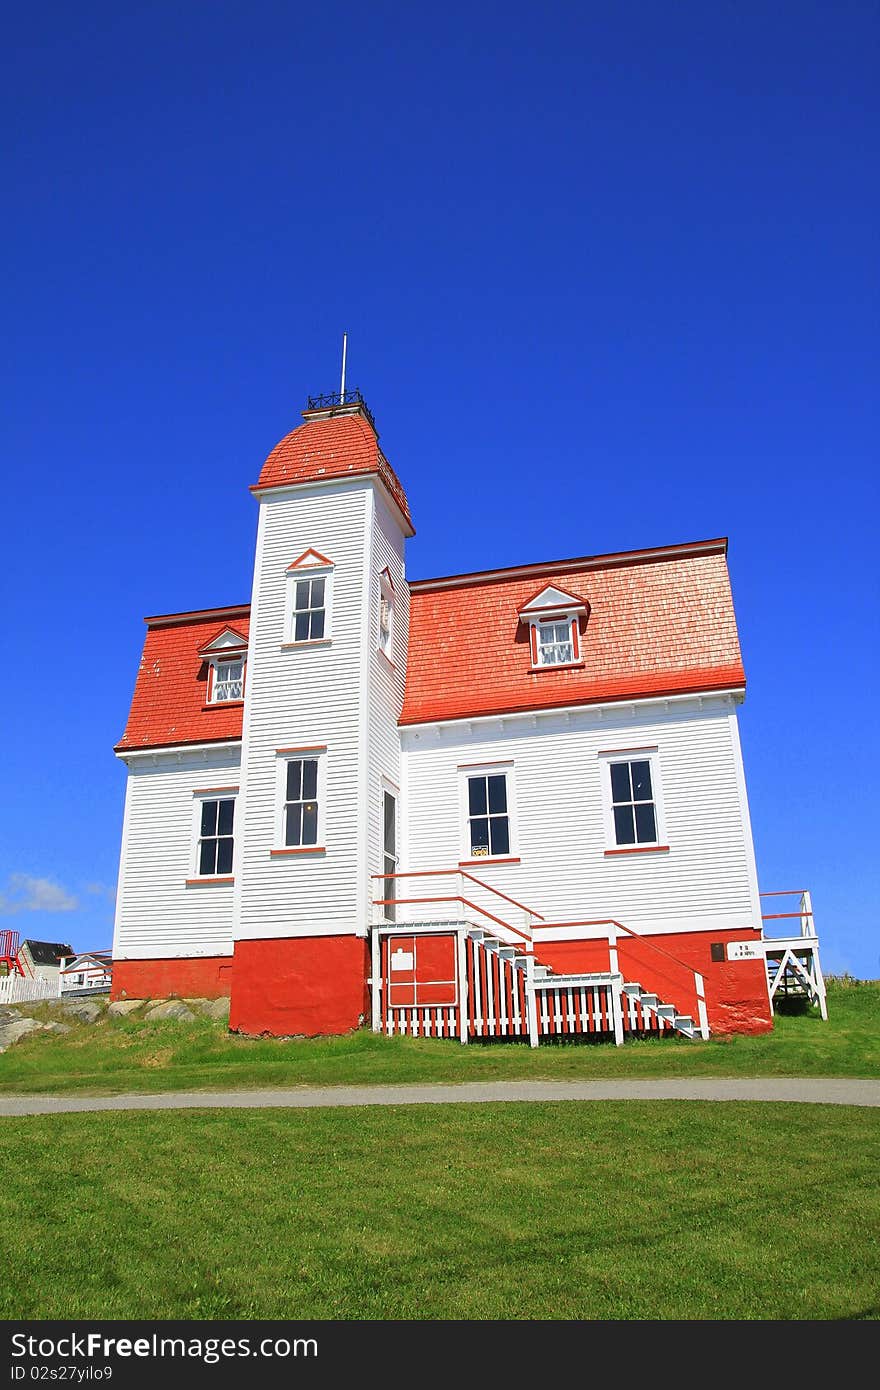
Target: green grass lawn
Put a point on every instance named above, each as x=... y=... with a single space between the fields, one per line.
x=119 y=1055
x=612 y=1210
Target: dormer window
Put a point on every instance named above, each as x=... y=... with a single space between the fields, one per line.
x=228 y=681
x=226 y=657
x=555 y=643
x=309 y=584
x=553 y=619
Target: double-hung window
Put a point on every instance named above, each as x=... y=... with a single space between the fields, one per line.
x=488 y=815
x=308 y=599
x=633 y=805
x=300 y=800
x=309 y=609
x=215 y=840
x=228 y=682
x=389 y=852
x=386 y=615
x=300 y=813
x=554 y=620
x=555 y=642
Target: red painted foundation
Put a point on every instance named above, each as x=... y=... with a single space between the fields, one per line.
x=190 y=977
x=736 y=991
x=300 y=986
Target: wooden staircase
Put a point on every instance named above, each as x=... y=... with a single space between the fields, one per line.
x=455 y=977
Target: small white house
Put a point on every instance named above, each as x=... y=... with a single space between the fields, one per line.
x=90 y=973
x=41 y=960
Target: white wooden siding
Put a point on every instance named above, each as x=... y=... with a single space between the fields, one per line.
x=158 y=915
x=299 y=697
x=705 y=881
x=386 y=680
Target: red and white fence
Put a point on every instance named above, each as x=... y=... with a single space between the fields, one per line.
x=457 y=968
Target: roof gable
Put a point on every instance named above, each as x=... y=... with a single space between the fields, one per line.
x=553 y=599
x=228 y=639
x=310 y=559
x=85 y=960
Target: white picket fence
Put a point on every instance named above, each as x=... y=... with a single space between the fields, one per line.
x=23 y=989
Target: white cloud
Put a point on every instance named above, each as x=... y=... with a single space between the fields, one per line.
x=102 y=890
x=27 y=894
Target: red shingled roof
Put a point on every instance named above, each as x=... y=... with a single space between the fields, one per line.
x=170 y=693
x=661 y=622
x=334 y=446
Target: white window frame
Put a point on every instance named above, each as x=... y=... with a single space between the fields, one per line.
x=503 y=768
x=283 y=756
x=557 y=616
x=389 y=788
x=647 y=754
x=199 y=799
x=385 y=644
x=295 y=576
x=217 y=664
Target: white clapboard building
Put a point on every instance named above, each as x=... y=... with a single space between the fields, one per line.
x=504 y=804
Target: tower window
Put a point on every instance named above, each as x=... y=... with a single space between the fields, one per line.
x=301 y=803
x=386 y=615
x=309 y=609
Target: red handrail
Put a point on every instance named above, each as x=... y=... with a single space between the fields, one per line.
x=777 y=916
x=434 y=873
x=630 y=931
x=455 y=898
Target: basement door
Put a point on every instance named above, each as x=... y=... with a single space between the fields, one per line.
x=420 y=985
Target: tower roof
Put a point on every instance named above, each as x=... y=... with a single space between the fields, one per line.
x=336 y=441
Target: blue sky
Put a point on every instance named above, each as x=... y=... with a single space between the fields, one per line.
x=610 y=278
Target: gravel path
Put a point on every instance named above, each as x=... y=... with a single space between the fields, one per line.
x=804 y=1090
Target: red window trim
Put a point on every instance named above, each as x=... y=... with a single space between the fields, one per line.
x=471 y=863
x=638 y=849
x=644 y=748
x=212 y=661
x=562 y=666
x=575 y=644
x=207 y=879
x=297 y=849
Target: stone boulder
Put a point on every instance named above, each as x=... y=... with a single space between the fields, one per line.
x=12 y=1032
x=121 y=1008
x=217 y=1009
x=83 y=1010
x=172 y=1008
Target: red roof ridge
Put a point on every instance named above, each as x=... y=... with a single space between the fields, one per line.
x=194 y=615
x=682 y=550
